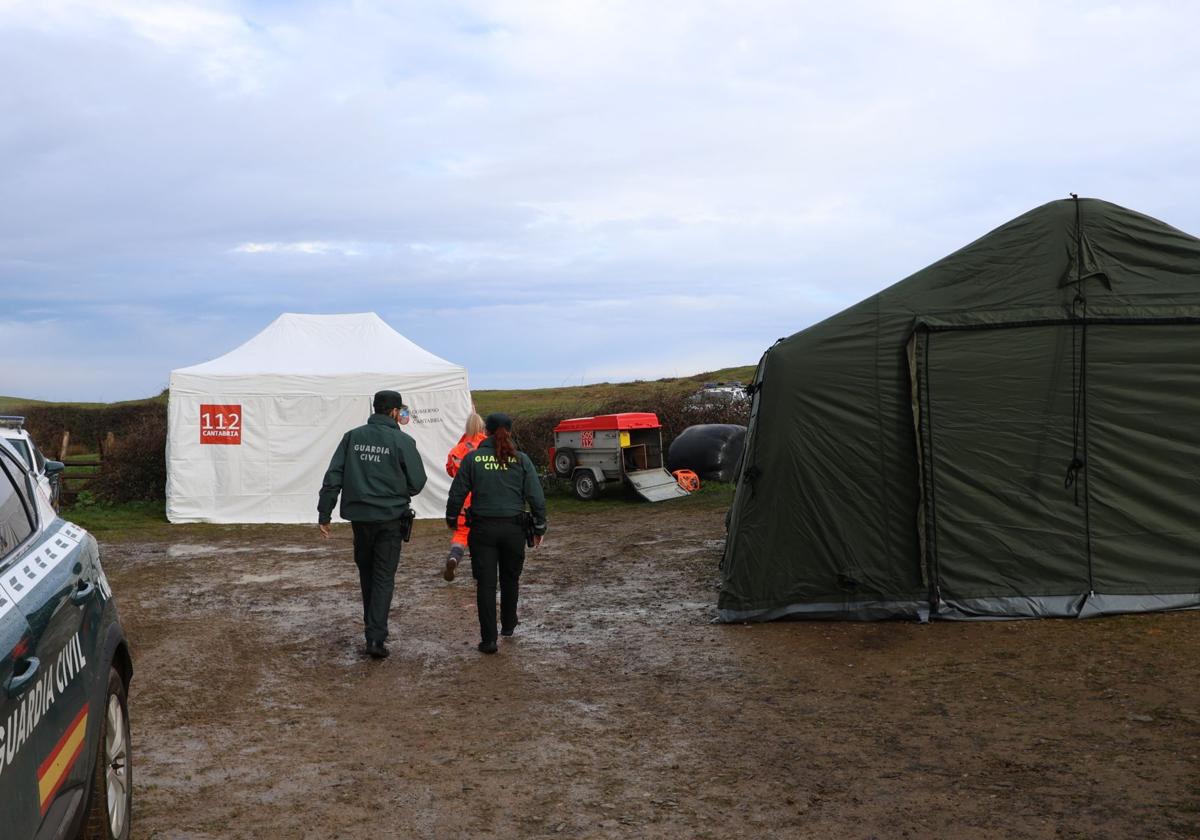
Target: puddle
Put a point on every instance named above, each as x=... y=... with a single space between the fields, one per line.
x=271 y=578
x=183 y=550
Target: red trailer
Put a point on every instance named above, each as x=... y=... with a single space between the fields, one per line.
x=613 y=447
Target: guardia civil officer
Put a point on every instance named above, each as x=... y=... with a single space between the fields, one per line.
x=500 y=481
x=377 y=470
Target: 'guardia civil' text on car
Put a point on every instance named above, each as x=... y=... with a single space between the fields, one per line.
x=64 y=674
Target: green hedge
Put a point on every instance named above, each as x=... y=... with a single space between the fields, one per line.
x=535 y=432
x=88 y=426
x=135 y=470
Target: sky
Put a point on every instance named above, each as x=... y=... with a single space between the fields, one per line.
x=549 y=193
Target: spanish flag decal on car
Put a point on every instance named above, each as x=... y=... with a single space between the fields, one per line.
x=53 y=771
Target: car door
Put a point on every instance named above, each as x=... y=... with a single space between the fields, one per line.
x=21 y=670
x=47 y=729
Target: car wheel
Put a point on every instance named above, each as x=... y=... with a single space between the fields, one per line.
x=110 y=800
x=564 y=462
x=585 y=485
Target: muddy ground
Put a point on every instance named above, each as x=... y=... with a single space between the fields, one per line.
x=619 y=709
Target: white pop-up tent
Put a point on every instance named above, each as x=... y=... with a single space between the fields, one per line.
x=250 y=434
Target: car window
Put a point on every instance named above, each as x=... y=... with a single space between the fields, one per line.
x=16 y=514
x=39 y=458
x=22 y=449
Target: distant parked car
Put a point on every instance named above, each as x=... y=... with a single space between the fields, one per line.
x=49 y=473
x=714 y=395
x=64 y=673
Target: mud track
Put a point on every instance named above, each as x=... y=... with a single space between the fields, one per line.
x=619 y=709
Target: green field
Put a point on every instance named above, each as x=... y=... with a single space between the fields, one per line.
x=148 y=520
x=9 y=405
x=581 y=399
x=569 y=399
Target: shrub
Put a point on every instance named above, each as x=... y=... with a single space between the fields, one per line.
x=535 y=432
x=88 y=426
x=135 y=469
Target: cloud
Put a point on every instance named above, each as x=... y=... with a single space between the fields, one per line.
x=348 y=249
x=220 y=47
x=709 y=175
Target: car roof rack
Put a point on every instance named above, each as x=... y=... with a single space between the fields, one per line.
x=11 y=421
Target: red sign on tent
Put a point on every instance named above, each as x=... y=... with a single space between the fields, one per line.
x=221 y=424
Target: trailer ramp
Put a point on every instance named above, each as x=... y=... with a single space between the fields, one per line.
x=655 y=485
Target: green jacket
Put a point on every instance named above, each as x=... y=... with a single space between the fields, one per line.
x=497 y=489
x=377 y=470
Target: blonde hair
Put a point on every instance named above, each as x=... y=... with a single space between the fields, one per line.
x=474 y=425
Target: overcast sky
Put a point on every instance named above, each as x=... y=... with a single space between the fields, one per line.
x=548 y=193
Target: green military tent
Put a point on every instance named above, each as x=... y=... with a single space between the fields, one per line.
x=1013 y=431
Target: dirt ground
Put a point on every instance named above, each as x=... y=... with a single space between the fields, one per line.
x=620 y=710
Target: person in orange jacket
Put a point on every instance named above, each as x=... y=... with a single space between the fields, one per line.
x=471 y=439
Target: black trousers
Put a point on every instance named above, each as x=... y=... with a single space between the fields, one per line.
x=377 y=554
x=497 y=548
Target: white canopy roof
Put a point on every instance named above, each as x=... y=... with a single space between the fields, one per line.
x=329 y=354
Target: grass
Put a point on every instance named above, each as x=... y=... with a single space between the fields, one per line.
x=127 y=518
x=568 y=399
x=149 y=519
x=9 y=405
x=560 y=499
x=581 y=399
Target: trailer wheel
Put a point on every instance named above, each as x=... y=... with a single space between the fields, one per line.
x=564 y=462
x=585 y=485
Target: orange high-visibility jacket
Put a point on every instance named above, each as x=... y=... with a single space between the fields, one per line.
x=464 y=447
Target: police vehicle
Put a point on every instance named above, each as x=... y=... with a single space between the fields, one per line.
x=49 y=473
x=64 y=674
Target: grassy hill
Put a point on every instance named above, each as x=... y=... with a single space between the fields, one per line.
x=8 y=405
x=579 y=400
x=567 y=400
